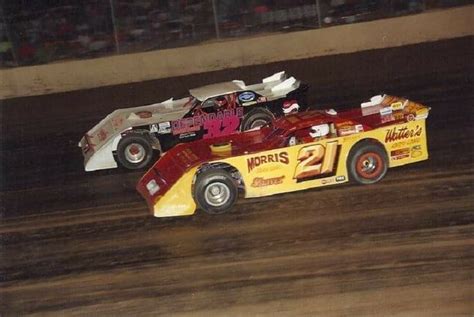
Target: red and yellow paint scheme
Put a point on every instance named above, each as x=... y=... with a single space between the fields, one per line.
x=296 y=152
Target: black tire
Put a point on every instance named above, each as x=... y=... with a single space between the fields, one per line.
x=134 y=151
x=215 y=191
x=256 y=118
x=367 y=163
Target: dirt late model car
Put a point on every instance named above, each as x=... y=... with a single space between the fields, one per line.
x=131 y=136
x=300 y=151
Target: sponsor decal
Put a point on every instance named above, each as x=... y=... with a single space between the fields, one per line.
x=187 y=135
x=187 y=155
x=247 y=96
x=164 y=127
x=290 y=107
x=385 y=111
x=416 y=151
x=398 y=115
x=400 y=154
x=117 y=121
x=263 y=182
x=397 y=106
x=193 y=124
x=176 y=208
x=367 y=111
x=144 y=114
x=256 y=161
x=340 y=178
x=350 y=130
x=102 y=135
x=327 y=181
x=345 y=124
x=348 y=127
x=315 y=161
x=262 y=99
x=216 y=128
x=387 y=118
x=401 y=133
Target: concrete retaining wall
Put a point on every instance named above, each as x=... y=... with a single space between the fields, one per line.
x=82 y=74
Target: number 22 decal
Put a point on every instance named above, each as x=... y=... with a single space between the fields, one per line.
x=226 y=126
x=316 y=160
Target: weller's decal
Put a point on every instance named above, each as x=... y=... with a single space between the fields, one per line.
x=256 y=161
x=193 y=124
x=396 y=133
x=263 y=182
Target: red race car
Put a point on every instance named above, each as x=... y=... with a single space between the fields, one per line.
x=299 y=151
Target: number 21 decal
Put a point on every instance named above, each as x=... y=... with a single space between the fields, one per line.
x=316 y=161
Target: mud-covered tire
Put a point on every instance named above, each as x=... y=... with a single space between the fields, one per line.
x=215 y=191
x=134 y=151
x=256 y=118
x=367 y=163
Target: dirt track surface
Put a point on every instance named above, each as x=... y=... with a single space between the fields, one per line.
x=84 y=244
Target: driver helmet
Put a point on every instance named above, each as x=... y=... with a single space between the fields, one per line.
x=221 y=102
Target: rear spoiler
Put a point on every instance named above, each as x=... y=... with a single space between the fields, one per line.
x=387 y=105
x=280 y=76
x=374 y=101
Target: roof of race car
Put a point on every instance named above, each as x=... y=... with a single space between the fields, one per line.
x=202 y=93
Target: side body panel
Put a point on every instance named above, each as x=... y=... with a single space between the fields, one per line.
x=324 y=162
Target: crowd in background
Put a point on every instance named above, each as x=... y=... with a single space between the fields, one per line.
x=88 y=28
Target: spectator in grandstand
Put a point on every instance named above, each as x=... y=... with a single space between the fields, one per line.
x=6 y=52
x=26 y=52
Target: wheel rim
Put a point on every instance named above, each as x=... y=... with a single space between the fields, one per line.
x=258 y=123
x=369 y=165
x=217 y=194
x=135 y=153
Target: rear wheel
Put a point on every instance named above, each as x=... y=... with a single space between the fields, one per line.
x=134 y=151
x=256 y=118
x=215 y=191
x=367 y=163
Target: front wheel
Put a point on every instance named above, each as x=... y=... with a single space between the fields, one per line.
x=367 y=163
x=215 y=191
x=134 y=151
